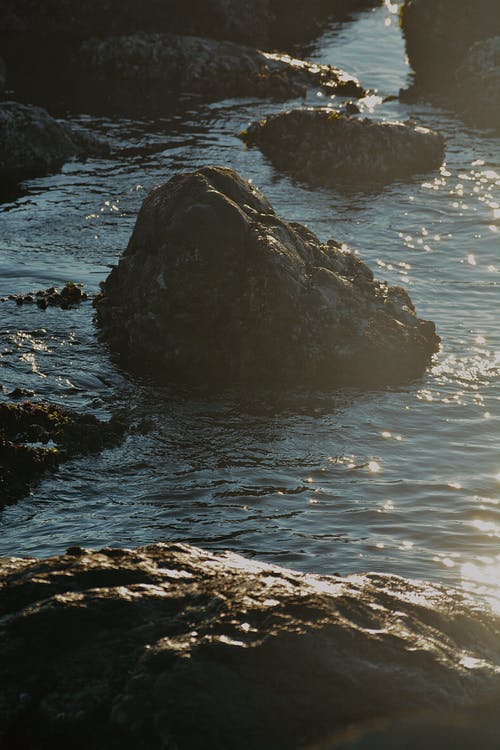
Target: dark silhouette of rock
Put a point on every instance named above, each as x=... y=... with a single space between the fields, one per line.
x=439 y=33
x=3 y=76
x=322 y=147
x=168 y=646
x=33 y=144
x=36 y=437
x=478 y=84
x=259 y=23
x=139 y=72
x=453 y=48
x=215 y=288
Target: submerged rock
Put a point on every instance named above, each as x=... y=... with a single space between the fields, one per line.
x=130 y=73
x=36 y=437
x=215 y=288
x=168 y=646
x=33 y=144
x=322 y=147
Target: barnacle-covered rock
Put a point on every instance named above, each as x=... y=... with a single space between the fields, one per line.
x=214 y=287
x=322 y=147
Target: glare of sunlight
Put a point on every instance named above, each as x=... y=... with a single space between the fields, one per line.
x=487 y=527
x=485 y=580
x=374 y=467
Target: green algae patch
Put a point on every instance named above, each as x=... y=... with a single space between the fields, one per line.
x=37 y=437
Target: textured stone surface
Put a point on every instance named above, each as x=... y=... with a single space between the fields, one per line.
x=33 y=144
x=255 y=22
x=139 y=72
x=322 y=147
x=478 y=83
x=168 y=646
x=36 y=437
x=439 y=33
x=215 y=288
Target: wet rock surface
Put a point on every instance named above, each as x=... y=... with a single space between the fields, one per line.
x=451 y=47
x=214 y=288
x=322 y=147
x=70 y=296
x=32 y=143
x=139 y=72
x=171 y=646
x=36 y=437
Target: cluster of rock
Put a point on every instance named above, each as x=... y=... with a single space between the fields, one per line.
x=32 y=143
x=36 y=437
x=322 y=147
x=453 y=47
x=70 y=295
x=214 y=287
x=168 y=646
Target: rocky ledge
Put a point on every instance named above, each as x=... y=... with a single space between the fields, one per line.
x=139 y=72
x=33 y=144
x=441 y=43
x=169 y=646
x=36 y=437
x=214 y=287
x=322 y=147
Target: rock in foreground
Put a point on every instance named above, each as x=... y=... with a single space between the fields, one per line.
x=137 y=72
x=168 y=646
x=33 y=144
x=215 y=288
x=323 y=147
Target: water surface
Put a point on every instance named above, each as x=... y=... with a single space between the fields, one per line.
x=403 y=480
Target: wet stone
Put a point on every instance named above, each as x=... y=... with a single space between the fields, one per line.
x=32 y=143
x=323 y=147
x=121 y=649
x=141 y=71
x=36 y=437
x=215 y=288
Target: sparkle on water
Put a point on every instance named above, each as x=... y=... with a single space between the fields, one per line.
x=403 y=480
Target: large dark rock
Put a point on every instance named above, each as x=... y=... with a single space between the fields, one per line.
x=256 y=22
x=35 y=438
x=168 y=646
x=478 y=84
x=453 y=47
x=214 y=287
x=33 y=144
x=139 y=72
x=439 y=33
x=322 y=147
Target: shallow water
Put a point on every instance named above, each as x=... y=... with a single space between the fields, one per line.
x=403 y=480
